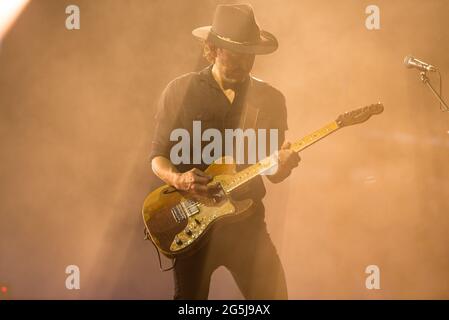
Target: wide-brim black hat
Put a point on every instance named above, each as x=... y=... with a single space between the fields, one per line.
x=234 y=27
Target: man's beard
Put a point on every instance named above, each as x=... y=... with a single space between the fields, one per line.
x=235 y=79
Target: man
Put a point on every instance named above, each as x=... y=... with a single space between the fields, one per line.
x=224 y=96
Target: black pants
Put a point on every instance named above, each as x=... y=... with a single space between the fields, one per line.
x=246 y=250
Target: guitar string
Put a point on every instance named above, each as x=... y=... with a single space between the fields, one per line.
x=191 y=204
x=303 y=142
x=250 y=174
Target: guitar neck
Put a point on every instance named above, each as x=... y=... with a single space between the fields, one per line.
x=268 y=163
x=314 y=137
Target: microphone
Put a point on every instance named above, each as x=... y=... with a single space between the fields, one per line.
x=411 y=62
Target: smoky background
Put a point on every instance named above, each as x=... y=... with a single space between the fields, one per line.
x=76 y=119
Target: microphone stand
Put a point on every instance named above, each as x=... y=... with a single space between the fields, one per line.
x=425 y=80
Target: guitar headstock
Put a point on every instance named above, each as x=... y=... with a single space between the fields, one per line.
x=359 y=115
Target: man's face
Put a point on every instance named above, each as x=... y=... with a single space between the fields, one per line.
x=234 y=67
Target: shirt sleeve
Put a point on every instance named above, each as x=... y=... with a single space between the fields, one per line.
x=166 y=119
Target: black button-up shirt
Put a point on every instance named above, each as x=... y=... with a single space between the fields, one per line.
x=196 y=96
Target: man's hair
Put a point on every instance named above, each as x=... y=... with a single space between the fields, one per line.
x=209 y=51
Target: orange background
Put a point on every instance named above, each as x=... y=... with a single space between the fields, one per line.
x=76 y=118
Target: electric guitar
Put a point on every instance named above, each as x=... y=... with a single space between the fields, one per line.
x=178 y=224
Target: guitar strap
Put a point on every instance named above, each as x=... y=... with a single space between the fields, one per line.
x=250 y=113
x=248 y=120
x=249 y=117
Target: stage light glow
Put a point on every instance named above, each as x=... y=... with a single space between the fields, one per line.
x=9 y=12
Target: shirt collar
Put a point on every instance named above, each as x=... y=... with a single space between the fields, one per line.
x=206 y=75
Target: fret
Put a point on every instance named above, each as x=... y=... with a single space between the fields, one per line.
x=315 y=136
x=269 y=162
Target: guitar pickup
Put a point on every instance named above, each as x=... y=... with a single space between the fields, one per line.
x=178 y=213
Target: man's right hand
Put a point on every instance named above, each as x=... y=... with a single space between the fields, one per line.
x=195 y=182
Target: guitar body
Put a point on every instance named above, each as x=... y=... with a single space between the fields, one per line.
x=179 y=225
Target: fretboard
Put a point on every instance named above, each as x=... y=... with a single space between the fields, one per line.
x=267 y=163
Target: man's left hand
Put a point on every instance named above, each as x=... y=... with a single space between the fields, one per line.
x=287 y=161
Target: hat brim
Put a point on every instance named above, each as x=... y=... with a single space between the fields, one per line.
x=266 y=44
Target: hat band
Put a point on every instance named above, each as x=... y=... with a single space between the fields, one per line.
x=232 y=41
